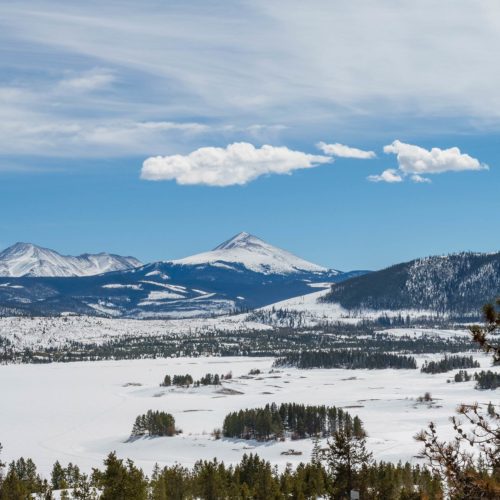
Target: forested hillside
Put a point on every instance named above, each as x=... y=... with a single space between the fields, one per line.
x=456 y=284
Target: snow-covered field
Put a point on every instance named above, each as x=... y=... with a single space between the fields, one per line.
x=425 y=332
x=314 y=311
x=79 y=412
x=40 y=333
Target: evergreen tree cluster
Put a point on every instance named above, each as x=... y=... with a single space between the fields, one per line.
x=65 y=477
x=297 y=421
x=346 y=358
x=462 y=376
x=177 y=380
x=187 y=380
x=449 y=363
x=209 y=379
x=154 y=423
x=22 y=480
x=487 y=380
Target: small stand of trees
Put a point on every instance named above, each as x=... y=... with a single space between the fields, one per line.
x=487 y=380
x=346 y=358
x=449 y=363
x=154 y=423
x=463 y=376
x=187 y=380
x=178 y=380
x=295 y=420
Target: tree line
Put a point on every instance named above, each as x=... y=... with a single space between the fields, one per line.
x=274 y=342
x=449 y=363
x=327 y=476
x=296 y=421
x=346 y=358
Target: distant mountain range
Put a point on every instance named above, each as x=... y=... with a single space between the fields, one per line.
x=26 y=259
x=457 y=285
x=242 y=273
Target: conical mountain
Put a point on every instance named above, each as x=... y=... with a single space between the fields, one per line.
x=254 y=254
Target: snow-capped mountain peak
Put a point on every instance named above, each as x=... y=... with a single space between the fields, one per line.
x=254 y=254
x=27 y=259
x=243 y=240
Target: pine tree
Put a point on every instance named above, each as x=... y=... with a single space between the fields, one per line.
x=121 y=481
x=83 y=490
x=58 y=477
x=316 y=451
x=13 y=488
x=491 y=409
x=345 y=456
x=2 y=465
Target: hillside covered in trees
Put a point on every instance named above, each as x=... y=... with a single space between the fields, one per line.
x=457 y=284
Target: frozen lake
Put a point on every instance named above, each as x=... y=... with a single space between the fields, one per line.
x=79 y=412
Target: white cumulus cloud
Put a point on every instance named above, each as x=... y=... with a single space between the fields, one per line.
x=236 y=164
x=343 y=151
x=415 y=162
x=390 y=175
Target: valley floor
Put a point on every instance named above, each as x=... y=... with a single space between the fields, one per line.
x=78 y=412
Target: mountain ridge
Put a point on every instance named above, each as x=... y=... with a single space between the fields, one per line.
x=456 y=284
x=28 y=259
x=244 y=273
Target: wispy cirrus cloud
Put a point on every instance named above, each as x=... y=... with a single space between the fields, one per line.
x=88 y=81
x=343 y=151
x=236 y=164
x=252 y=62
x=54 y=120
x=87 y=68
x=416 y=163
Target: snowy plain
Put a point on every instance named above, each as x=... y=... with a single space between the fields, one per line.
x=26 y=332
x=79 y=412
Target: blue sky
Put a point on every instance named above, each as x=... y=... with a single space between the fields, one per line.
x=161 y=130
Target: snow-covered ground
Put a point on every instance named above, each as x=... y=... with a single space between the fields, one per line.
x=426 y=332
x=26 y=332
x=42 y=333
x=314 y=311
x=79 y=412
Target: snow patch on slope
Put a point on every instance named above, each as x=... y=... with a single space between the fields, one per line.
x=313 y=311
